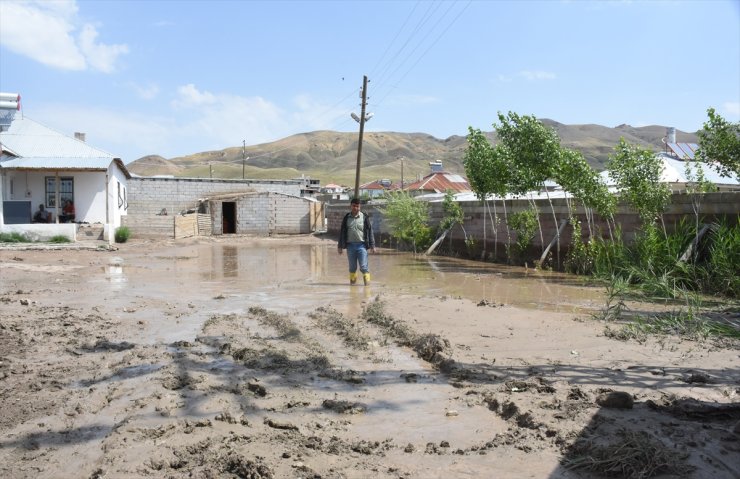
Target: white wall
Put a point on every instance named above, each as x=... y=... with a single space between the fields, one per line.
x=116 y=206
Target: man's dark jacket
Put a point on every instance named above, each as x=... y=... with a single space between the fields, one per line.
x=367 y=231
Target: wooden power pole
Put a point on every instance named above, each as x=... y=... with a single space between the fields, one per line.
x=362 y=129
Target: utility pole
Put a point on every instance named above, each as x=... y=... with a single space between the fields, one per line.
x=401 y=172
x=244 y=158
x=362 y=129
x=210 y=168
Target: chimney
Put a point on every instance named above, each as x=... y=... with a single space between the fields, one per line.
x=79 y=136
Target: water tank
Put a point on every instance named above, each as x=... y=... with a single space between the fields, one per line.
x=671 y=135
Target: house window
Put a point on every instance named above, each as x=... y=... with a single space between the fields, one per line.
x=66 y=190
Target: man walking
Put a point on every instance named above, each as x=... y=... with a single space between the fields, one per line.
x=356 y=236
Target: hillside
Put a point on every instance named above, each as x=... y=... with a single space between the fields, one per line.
x=332 y=156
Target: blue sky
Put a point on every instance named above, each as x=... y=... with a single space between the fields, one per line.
x=180 y=77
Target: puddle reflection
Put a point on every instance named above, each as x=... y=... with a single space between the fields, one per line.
x=289 y=277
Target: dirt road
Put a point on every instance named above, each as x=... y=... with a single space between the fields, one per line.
x=158 y=360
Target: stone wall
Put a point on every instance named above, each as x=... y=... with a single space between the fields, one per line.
x=480 y=220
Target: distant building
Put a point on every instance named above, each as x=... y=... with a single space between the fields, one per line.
x=439 y=181
x=375 y=189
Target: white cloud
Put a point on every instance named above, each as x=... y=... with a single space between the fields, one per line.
x=189 y=96
x=101 y=57
x=732 y=108
x=194 y=121
x=504 y=78
x=537 y=75
x=145 y=92
x=50 y=33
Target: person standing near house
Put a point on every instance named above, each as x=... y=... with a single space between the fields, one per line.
x=68 y=212
x=356 y=236
x=41 y=215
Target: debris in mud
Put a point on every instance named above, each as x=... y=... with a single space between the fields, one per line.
x=347 y=375
x=371 y=447
x=697 y=378
x=428 y=345
x=693 y=409
x=227 y=417
x=410 y=377
x=636 y=454
x=105 y=345
x=246 y=468
x=615 y=400
x=492 y=304
x=182 y=344
x=280 y=425
x=257 y=389
x=344 y=407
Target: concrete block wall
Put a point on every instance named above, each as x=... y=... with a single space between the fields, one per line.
x=290 y=215
x=149 y=196
x=481 y=226
x=253 y=214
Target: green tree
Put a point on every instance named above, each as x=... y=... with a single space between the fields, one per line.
x=408 y=219
x=637 y=172
x=453 y=213
x=489 y=172
x=719 y=145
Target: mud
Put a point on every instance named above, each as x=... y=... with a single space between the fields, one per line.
x=245 y=357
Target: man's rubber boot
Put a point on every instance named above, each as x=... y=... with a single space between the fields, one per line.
x=352 y=278
x=366 y=278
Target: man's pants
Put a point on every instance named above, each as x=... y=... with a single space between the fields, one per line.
x=356 y=253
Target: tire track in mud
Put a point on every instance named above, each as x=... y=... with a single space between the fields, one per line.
x=296 y=384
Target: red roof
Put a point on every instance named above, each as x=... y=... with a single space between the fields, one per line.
x=440 y=182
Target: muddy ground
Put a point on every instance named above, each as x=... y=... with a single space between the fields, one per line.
x=150 y=361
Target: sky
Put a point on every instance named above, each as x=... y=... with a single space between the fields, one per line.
x=173 y=78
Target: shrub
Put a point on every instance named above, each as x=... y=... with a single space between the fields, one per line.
x=122 y=234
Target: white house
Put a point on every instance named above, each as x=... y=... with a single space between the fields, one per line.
x=40 y=166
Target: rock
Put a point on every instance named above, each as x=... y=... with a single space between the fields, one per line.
x=24 y=302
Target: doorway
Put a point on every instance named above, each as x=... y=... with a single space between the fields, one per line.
x=229 y=217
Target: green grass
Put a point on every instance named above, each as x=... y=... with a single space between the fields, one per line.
x=122 y=234
x=13 y=238
x=59 y=239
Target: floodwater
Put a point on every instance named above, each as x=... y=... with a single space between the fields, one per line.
x=223 y=278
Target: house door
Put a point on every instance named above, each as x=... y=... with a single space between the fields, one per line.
x=229 y=217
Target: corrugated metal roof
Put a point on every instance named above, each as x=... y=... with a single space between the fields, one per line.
x=674 y=171
x=440 y=182
x=41 y=163
x=29 y=139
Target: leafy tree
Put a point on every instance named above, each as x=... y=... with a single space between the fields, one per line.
x=637 y=172
x=453 y=213
x=719 y=145
x=408 y=219
x=531 y=147
x=489 y=172
x=525 y=224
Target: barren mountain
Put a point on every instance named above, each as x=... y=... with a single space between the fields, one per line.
x=332 y=156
